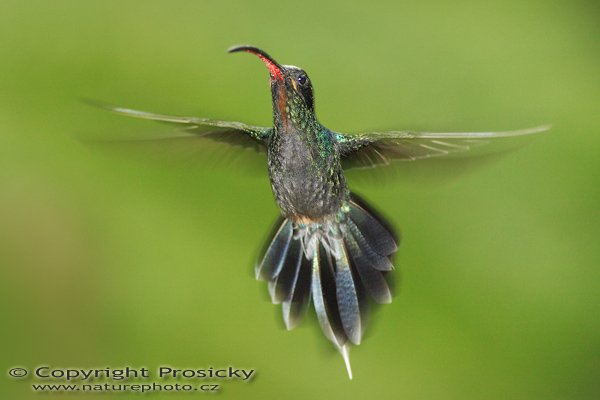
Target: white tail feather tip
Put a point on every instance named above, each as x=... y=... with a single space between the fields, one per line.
x=345 y=351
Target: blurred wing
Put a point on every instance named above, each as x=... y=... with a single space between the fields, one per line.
x=232 y=132
x=380 y=148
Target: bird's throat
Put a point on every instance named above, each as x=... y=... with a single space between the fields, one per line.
x=280 y=106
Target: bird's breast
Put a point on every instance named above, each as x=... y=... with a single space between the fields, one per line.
x=306 y=176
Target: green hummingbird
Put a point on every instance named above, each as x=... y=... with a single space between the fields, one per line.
x=330 y=248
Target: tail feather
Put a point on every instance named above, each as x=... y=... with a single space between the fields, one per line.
x=372 y=279
x=282 y=285
x=335 y=263
x=296 y=304
x=345 y=352
x=347 y=297
x=275 y=253
x=377 y=235
x=358 y=201
x=323 y=286
x=378 y=261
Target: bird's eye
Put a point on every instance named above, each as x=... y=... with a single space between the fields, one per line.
x=301 y=79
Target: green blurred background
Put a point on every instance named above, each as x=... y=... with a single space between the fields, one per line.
x=143 y=258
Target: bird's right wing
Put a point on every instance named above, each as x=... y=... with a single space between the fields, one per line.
x=231 y=132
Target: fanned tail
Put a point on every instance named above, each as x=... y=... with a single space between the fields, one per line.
x=340 y=262
x=288 y=272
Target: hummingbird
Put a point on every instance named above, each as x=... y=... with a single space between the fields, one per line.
x=329 y=248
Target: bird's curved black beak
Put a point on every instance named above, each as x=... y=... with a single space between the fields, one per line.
x=274 y=67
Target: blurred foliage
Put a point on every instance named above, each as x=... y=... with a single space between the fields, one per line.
x=112 y=260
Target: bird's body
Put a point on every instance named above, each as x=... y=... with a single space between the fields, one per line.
x=305 y=172
x=310 y=255
x=304 y=161
x=329 y=248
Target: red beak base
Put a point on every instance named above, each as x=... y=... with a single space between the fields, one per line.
x=274 y=67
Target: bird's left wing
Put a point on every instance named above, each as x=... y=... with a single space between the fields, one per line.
x=232 y=132
x=380 y=148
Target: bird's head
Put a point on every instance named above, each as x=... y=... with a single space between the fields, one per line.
x=292 y=92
